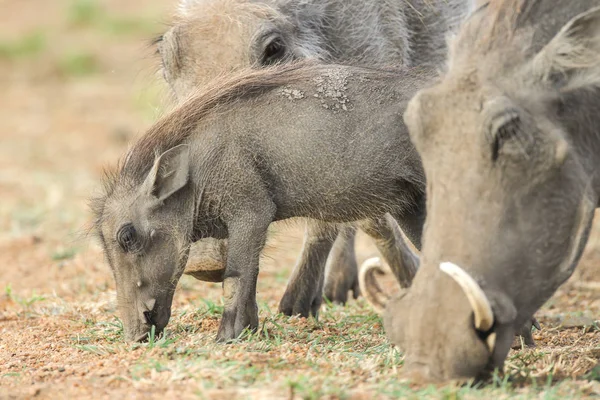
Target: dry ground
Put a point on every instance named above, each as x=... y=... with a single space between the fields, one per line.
x=77 y=82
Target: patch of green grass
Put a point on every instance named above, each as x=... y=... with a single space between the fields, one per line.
x=8 y=291
x=84 y=12
x=25 y=302
x=521 y=366
x=152 y=337
x=26 y=219
x=64 y=254
x=108 y=331
x=91 y=14
x=78 y=64
x=305 y=387
x=344 y=355
x=95 y=349
x=29 y=45
x=120 y=26
x=210 y=309
x=594 y=374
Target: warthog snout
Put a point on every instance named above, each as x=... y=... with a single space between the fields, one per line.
x=446 y=326
x=150 y=312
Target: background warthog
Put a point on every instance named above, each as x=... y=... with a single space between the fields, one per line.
x=210 y=38
x=510 y=143
x=228 y=172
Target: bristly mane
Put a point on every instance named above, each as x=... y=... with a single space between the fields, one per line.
x=180 y=123
x=493 y=26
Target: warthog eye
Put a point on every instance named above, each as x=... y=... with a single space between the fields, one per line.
x=504 y=128
x=274 y=52
x=128 y=239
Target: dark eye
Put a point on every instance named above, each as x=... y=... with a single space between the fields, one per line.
x=128 y=239
x=503 y=129
x=274 y=52
x=156 y=42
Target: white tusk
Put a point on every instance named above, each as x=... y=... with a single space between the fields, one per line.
x=484 y=317
x=368 y=285
x=149 y=304
x=491 y=341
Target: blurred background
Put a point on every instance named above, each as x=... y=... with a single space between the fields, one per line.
x=77 y=81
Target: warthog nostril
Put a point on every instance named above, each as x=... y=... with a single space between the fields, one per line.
x=149 y=315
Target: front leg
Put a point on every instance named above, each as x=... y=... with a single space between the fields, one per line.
x=247 y=236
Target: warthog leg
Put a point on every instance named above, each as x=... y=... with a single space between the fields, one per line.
x=525 y=337
x=247 y=237
x=341 y=272
x=303 y=295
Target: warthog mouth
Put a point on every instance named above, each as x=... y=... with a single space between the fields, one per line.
x=145 y=337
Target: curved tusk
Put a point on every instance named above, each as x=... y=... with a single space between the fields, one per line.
x=491 y=341
x=484 y=317
x=369 y=286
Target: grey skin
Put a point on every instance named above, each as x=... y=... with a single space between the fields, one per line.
x=326 y=143
x=210 y=38
x=510 y=143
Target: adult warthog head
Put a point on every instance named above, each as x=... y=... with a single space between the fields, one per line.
x=509 y=139
x=211 y=38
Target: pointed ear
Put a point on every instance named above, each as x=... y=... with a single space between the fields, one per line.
x=573 y=52
x=169 y=173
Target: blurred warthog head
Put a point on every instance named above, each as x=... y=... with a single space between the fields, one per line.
x=216 y=37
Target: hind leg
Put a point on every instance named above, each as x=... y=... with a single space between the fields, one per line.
x=303 y=295
x=341 y=271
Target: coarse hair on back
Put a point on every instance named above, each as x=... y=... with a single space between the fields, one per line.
x=495 y=39
x=175 y=127
x=491 y=26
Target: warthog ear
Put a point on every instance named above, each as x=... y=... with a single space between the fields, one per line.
x=169 y=173
x=573 y=52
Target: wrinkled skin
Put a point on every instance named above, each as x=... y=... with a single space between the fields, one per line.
x=510 y=143
x=212 y=38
